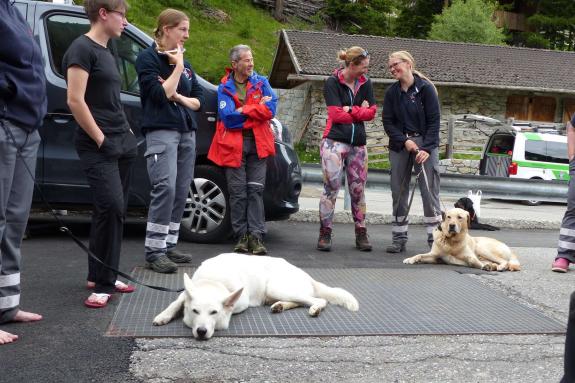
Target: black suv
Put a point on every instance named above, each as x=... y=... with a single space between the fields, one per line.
x=206 y=217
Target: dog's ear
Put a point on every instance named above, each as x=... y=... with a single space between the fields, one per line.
x=468 y=220
x=187 y=283
x=230 y=301
x=442 y=216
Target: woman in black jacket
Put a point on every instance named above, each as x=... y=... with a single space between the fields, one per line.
x=349 y=99
x=411 y=119
x=170 y=96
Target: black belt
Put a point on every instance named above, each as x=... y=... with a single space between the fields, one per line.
x=412 y=134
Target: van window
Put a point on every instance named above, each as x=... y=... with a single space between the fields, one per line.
x=63 y=29
x=557 y=152
x=546 y=151
x=126 y=50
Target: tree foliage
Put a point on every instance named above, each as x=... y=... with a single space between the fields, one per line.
x=368 y=17
x=415 y=18
x=553 y=24
x=468 y=21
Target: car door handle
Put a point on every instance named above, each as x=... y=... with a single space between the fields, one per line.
x=60 y=118
x=211 y=116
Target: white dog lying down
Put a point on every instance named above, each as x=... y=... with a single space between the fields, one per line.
x=453 y=245
x=230 y=283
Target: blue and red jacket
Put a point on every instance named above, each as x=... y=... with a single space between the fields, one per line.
x=227 y=144
x=348 y=127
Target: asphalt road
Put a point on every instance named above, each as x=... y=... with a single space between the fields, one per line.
x=69 y=346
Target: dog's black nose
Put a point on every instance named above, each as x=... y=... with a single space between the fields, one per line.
x=201 y=331
x=451 y=227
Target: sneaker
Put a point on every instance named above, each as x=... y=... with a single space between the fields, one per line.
x=324 y=241
x=396 y=247
x=162 y=265
x=561 y=265
x=243 y=244
x=179 y=256
x=256 y=245
x=361 y=239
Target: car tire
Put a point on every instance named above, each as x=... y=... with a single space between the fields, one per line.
x=207 y=214
x=533 y=202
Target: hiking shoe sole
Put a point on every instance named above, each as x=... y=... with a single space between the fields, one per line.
x=162 y=265
x=179 y=258
x=395 y=249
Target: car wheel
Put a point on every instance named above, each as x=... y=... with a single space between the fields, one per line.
x=207 y=215
x=533 y=202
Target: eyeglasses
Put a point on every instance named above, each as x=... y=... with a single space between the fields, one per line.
x=123 y=14
x=365 y=53
x=394 y=65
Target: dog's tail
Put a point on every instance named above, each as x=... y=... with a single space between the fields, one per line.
x=336 y=296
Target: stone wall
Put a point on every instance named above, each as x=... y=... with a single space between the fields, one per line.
x=294 y=109
x=457 y=166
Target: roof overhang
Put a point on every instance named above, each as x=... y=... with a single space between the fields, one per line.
x=300 y=78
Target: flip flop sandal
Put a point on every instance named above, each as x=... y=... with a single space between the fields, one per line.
x=121 y=287
x=97 y=300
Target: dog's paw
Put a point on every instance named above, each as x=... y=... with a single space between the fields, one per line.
x=503 y=267
x=277 y=307
x=352 y=305
x=489 y=266
x=412 y=260
x=314 y=310
x=161 y=320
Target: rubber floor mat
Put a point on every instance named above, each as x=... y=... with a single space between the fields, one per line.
x=391 y=302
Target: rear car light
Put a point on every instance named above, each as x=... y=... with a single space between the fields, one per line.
x=513 y=169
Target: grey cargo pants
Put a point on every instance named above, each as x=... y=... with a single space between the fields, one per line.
x=170 y=158
x=16 y=189
x=402 y=165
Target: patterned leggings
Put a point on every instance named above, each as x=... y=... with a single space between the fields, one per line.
x=334 y=155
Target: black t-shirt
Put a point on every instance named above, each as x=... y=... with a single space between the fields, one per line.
x=104 y=83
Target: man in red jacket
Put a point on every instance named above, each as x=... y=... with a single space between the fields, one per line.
x=243 y=140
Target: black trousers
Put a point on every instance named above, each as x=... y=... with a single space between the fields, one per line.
x=569 y=362
x=108 y=171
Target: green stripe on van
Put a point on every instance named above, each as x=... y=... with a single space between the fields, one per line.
x=533 y=137
x=560 y=175
x=543 y=165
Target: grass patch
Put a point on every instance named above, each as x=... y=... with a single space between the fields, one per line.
x=307 y=155
x=210 y=39
x=310 y=155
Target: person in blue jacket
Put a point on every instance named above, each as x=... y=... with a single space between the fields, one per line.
x=242 y=143
x=22 y=108
x=411 y=118
x=170 y=96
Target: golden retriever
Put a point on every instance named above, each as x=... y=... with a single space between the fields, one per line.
x=453 y=245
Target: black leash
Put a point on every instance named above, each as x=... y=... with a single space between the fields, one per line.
x=408 y=176
x=66 y=230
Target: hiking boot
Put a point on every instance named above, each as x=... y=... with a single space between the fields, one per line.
x=179 y=256
x=162 y=265
x=243 y=244
x=396 y=247
x=361 y=239
x=561 y=265
x=256 y=245
x=324 y=241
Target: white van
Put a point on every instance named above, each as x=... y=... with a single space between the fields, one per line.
x=533 y=154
